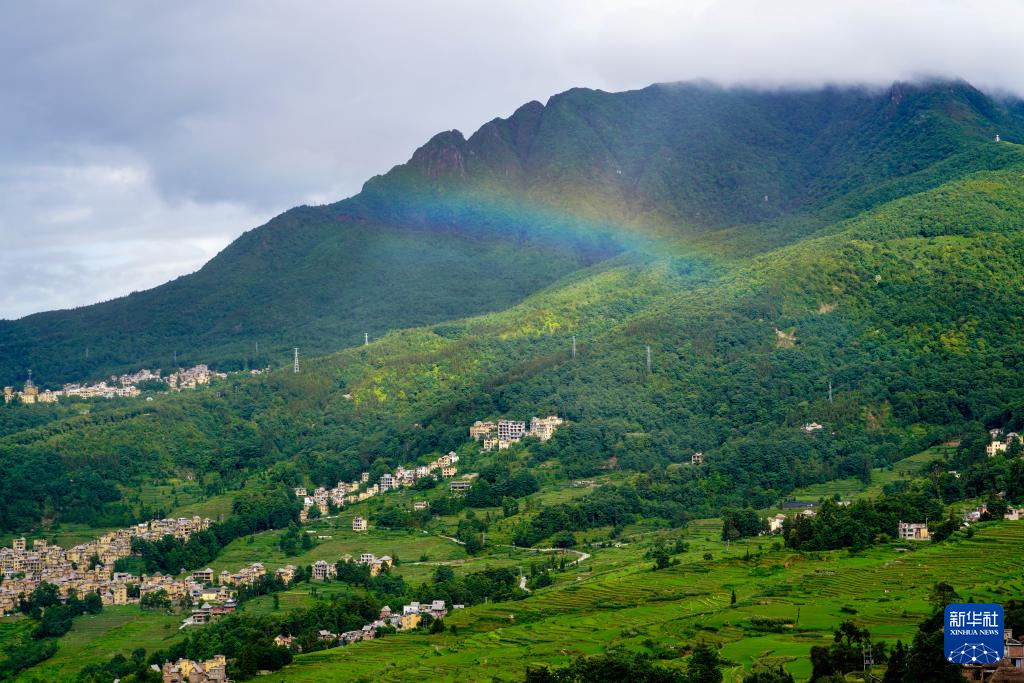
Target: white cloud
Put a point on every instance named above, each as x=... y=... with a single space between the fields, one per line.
x=91 y=232
x=148 y=123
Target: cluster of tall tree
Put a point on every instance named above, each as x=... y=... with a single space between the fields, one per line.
x=861 y=523
x=252 y=511
x=606 y=506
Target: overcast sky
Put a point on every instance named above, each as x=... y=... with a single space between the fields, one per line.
x=138 y=138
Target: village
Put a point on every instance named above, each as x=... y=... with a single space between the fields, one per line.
x=125 y=386
x=504 y=433
x=215 y=670
x=90 y=567
x=501 y=435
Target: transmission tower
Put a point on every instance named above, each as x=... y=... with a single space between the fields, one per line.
x=295 y=365
x=574 y=346
x=830 y=391
x=868 y=661
x=366 y=338
x=648 y=359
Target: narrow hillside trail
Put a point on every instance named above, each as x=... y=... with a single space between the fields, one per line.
x=583 y=556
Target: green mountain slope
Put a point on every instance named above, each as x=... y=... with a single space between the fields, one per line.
x=911 y=310
x=474 y=225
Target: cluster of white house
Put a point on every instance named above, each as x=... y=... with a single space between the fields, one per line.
x=1001 y=442
x=504 y=433
x=907 y=531
x=123 y=386
x=191 y=378
x=215 y=589
x=322 y=498
x=188 y=671
x=89 y=567
x=323 y=570
x=1013 y=514
x=410 y=617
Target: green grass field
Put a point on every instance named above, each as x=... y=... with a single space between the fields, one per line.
x=619 y=601
x=613 y=599
x=96 y=638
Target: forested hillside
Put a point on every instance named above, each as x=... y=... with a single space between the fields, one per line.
x=911 y=310
x=474 y=225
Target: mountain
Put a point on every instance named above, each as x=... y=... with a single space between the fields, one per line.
x=474 y=225
x=884 y=302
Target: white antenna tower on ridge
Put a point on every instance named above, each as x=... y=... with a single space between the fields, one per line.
x=296 y=364
x=648 y=359
x=574 y=346
x=366 y=338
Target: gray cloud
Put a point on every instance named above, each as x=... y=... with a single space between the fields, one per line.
x=137 y=139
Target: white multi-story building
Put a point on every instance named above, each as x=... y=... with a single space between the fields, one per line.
x=511 y=430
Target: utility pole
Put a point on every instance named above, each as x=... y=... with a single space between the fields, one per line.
x=295 y=366
x=175 y=357
x=574 y=346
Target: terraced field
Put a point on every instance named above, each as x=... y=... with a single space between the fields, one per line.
x=95 y=638
x=620 y=601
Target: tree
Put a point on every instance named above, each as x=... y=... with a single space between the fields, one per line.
x=941 y=595
x=443 y=574
x=155 y=600
x=509 y=506
x=613 y=667
x=897 y=671
x=927 y=658
x=92 y=603
x=732 y=600
x=564 y=539
x=778 y=675
x=704 y=665
x=662 y=559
